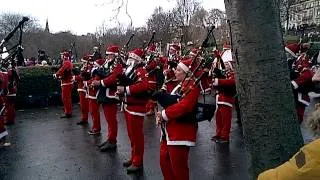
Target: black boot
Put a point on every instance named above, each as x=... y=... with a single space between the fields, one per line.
x=127 y=163
x=83 y=123
x=66 y=116
x=134 y=169
x=108 y=146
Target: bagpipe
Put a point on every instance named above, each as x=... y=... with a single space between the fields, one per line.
x=129 y=76
x=203 y=110
x=105 y=72
x=13 y=56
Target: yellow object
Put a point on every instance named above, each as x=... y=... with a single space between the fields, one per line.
x=304 y=165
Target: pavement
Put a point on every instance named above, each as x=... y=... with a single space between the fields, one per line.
x=47 y=147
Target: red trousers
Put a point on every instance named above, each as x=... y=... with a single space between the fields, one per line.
x=95 y=114
x=223 y=121
x=66 y=92
x=110 y=113
x=84 y=106
x=10 y=110
x=300 y=111
x=174 y=161
x=135 y=133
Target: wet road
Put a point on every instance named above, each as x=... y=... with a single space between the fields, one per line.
x=47 y=147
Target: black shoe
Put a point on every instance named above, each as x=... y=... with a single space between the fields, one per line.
x=134 y=169
x=95 y=133
x=108 y=146
x=222 y=141
x=127 y=163
x=215 y=138
x=8 y=123
x=4 y=142
x=82 y=123
x=66 y=116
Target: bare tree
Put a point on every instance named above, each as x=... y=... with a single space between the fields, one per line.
x=271 y=131
x=286 y=11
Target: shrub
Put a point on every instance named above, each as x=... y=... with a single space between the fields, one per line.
x=37 y=87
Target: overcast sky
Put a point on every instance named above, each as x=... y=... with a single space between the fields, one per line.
x=83 y=16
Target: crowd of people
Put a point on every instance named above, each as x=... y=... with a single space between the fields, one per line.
x=145 y=82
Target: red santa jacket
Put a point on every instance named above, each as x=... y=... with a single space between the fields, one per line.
x=302 y=85
x=177 y=131
x=110 y=82
x=3 y=83
x=92 y=91
x=65 y=73
x=80 y=82
x=225 y=89
x=152 y=79
x=136 y=95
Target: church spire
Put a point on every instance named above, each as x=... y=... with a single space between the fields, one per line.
x=47 y=27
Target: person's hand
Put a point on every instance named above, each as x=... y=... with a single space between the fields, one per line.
x=96 y=83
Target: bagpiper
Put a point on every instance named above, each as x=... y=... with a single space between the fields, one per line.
x=65 y=75
x=108 y=86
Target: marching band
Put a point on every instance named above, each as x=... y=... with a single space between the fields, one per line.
x=145 y=82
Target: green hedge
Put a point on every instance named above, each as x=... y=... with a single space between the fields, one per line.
x=37 y=87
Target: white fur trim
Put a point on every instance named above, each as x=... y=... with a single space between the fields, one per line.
x=3 y=134
x=65 y=84
x=173 y=92
x=290 y=52
x=135 y=57
x=183 y=67
x=302 y=100
x=134 y=113
x=164 y=115
x=109 y=52
x=295 y=85
x=181 y=143
x=128 y=90
x=224 y=103
x=12 y=95
x=81 y=90
x=102 y=83
x=111 y=96
x=2 y=109
x=215 y=82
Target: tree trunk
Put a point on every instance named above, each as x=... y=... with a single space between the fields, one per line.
x=271 y=131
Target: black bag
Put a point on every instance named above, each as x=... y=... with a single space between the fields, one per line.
x=103 y=99
x=206 y=107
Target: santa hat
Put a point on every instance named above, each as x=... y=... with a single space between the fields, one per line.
x=152 y=48
x=99 y=62
x=189 y=43
x=194 y=52
x=112 y=49
x=226 y=45
x=66 y=55
x=175 y=47
x=185 y=65
x=136 y=54
x=292 y=49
